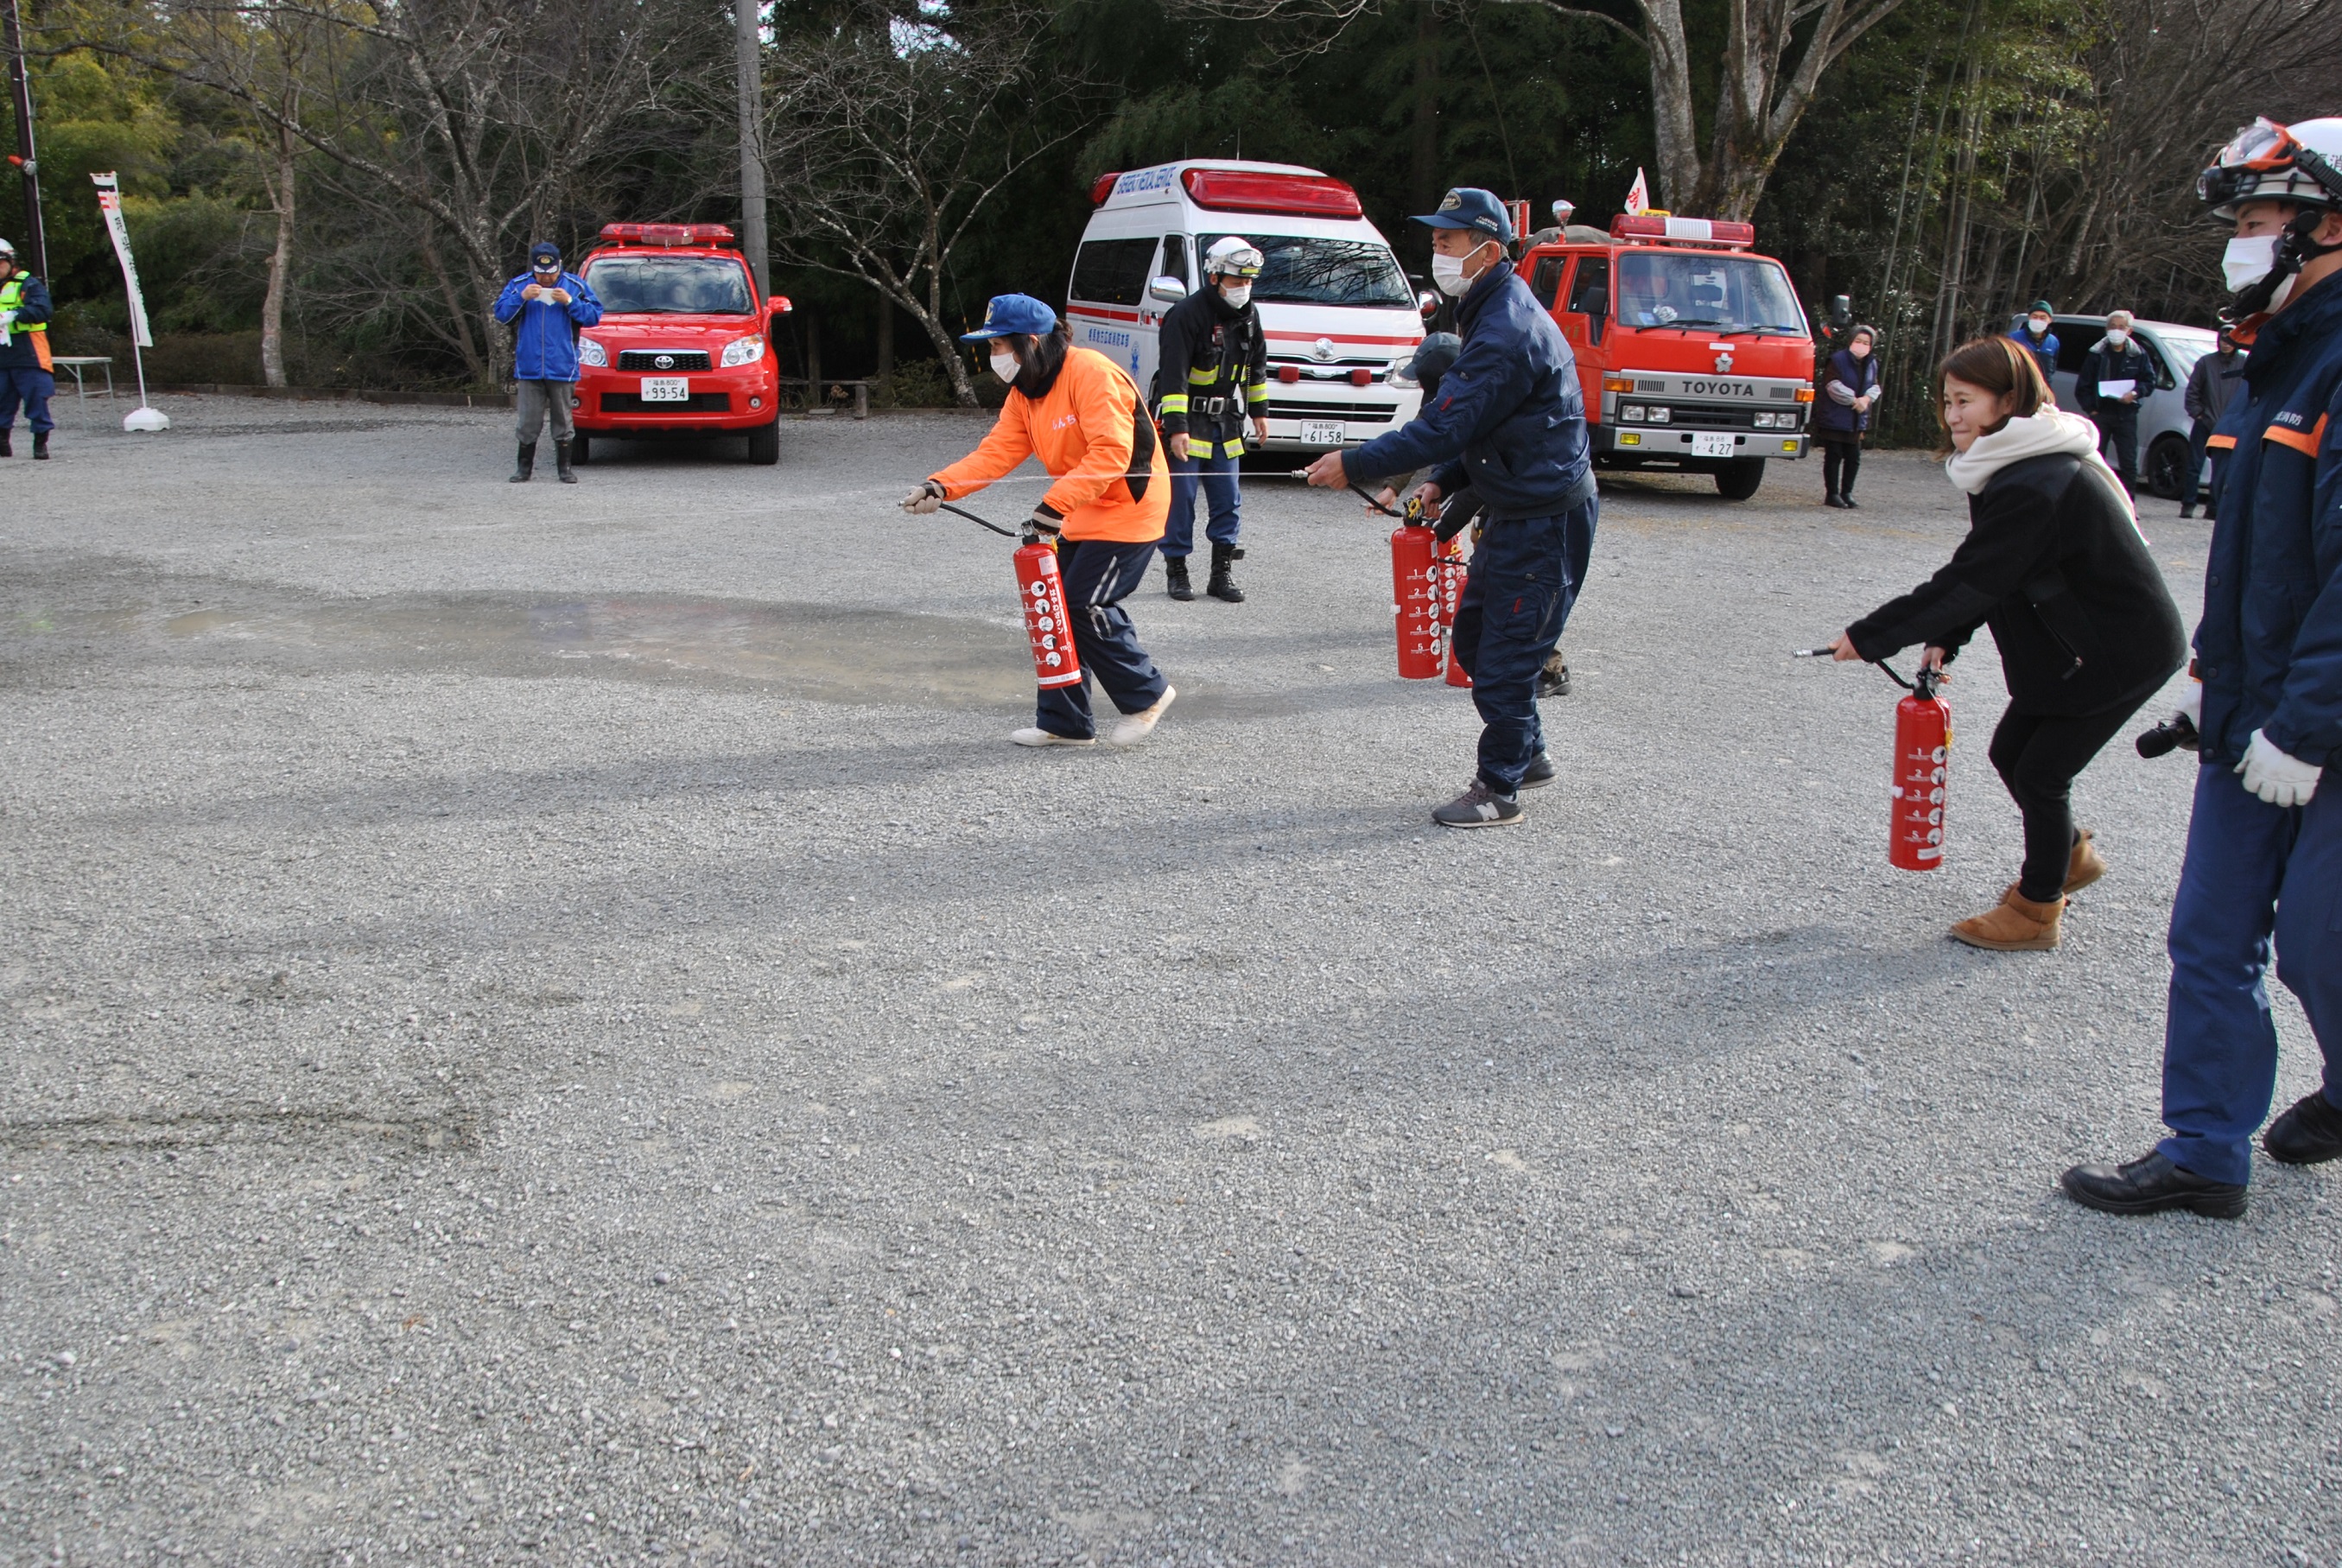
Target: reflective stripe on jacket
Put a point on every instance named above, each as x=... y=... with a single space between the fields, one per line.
x=1084 y=429
x=28 y=337
x=1210 y=350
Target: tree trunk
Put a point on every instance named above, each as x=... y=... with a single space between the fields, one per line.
x=459 y=322
x=1675 y=131
x=280 y=265
x=813 y=359
x=1423 y=169
x=885 y=338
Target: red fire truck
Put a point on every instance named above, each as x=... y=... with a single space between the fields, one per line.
x=684 y=347
x=1694 y=352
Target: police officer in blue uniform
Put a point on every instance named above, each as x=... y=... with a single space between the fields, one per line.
x=1509 y=423
x=2264 y=843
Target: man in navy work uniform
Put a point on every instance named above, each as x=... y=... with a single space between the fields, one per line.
x=549 y=305
x=1509 y=423
x=2264 y=843
x=24 y=363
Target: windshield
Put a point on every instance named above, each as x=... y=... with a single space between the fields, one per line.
x=2184 y=349
x=670 y=286
x=1301 y=270
x=1707 y=293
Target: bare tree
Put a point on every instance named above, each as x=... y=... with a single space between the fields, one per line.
x=1774 y=56
x=890 y=137
x=476 y=116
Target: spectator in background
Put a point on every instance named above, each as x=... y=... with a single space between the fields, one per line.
x=2113 y=379
x=545 y=307
x=1849 y=391
x=2038 y=341
x=2210 y=385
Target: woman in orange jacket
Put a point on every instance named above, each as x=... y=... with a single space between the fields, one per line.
x=1074 y=410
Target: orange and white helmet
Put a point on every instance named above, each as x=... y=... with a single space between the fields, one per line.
x=2266 y=162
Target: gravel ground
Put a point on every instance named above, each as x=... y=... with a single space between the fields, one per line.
x=549 y=1024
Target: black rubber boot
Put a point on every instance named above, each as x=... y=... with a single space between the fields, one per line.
x=5 y=449
x=526 y=465
x=40 y=445
x=1223 y=585
x=1175 y=578
x=561 y=469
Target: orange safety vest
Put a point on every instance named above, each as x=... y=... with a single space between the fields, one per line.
x=1083 y=432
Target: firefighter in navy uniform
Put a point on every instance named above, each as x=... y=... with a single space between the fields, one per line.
x=1213 y=376
x=2264 y=856
x=1509 y=423
x=25 y=375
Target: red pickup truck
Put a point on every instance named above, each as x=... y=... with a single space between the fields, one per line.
x=684 y=347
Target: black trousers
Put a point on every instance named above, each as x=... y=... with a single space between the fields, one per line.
x=1841 y=461
x=2119 y=427
x=2037 y=756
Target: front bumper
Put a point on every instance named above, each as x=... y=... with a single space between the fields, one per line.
x=1673 y=444
x=748 y=397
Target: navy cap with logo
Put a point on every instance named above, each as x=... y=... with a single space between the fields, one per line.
x=544 y=255
x=1473 y=209
x=1010 y=313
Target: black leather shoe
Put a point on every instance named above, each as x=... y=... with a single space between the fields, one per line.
x=1175 y=578
x=2149 y=1186
x=2308 y=1134
x=1540 y=771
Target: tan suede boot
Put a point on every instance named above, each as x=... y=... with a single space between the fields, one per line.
x=2018 y=925
x=2086 y=864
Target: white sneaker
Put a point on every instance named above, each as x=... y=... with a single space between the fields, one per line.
x=1136 y=728
x=1041 y=737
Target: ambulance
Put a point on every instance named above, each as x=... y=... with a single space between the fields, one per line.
x=1692 y=351
x=1337 y=312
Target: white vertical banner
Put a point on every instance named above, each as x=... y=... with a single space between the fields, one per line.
x=1639 y=202
x=109 y=202
x=145 y=416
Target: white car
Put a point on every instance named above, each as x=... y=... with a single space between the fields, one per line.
x=2163 y=423
x=1338 y=312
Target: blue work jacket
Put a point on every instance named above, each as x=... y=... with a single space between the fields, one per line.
x=544 y=344
x=1509 y=420
x=2269 y=647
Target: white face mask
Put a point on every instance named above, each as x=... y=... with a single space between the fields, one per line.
x=1005 y=365
x=2117 y=338
x=1447 y=272
x=2247 y=260
x=2040 y=325
x=1239 y=297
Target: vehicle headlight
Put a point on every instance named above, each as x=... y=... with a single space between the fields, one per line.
x=1767 y=421
x=743 y=351
x=1661 y=415
x=591 y=353
x=1633 y=412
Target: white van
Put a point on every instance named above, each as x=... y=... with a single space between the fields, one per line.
x=1338 y=310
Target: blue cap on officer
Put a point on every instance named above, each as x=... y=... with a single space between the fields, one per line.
x=544 y=255
x=1468 y=208
x=1008 y=313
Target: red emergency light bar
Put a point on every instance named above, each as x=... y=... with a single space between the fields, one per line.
x=669 y=233
x=1104 y=187
x=1294 y=196
x=1683 y=231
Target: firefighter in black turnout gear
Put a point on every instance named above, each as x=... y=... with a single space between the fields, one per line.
x=1214 y=376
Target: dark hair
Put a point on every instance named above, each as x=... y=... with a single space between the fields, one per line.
x=1040 y=358
x=1997 y=365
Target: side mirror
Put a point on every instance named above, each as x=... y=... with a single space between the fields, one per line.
x=778 y=306
x=1426 y=303
x=1167 y=289
x=1841 y=311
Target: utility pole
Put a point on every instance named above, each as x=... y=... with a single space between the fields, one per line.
x=749 y=50
x=36 y=244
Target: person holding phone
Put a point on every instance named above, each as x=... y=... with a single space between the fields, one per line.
x=545 y=307
x=2054 y=564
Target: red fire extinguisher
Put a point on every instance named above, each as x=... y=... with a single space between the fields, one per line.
x=1047 y=625
x=1923 y=740
x=1415 y=598
x=1452 y=576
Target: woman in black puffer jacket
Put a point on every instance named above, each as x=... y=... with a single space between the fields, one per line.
x=1842 y=413
x=2054 y=564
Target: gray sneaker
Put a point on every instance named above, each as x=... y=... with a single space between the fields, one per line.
x=1479 y=806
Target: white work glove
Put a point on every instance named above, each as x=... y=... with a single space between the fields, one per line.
x=2191 y=704
x=7 y=326
x=2278 y=778
x=925 y=499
